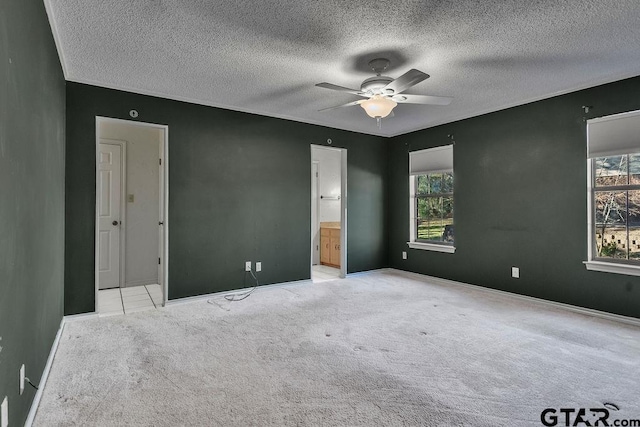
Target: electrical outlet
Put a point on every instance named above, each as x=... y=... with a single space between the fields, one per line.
x=258 y=266
x=404 y=255
x=247 y=266
x=515 y=272
x=4 y=412
x=22 y=379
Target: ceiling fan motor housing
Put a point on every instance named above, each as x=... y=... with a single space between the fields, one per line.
x=374 y=85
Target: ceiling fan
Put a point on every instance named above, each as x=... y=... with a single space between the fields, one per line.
x=383 y=93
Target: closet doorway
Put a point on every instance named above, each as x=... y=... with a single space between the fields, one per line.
x=131 y=216
x=328 y=213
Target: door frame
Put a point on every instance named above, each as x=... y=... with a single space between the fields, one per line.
x=123 y=210
x=164 y=208
x=343 y=206
x=315 y=227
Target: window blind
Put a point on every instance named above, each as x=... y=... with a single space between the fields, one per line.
x=613 y=135
x=431 y=160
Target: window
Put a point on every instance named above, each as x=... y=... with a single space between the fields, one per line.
x=614 y=193
x=616 y=205
x=434 y=207
x=431 y=199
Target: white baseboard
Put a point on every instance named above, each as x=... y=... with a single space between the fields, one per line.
x=45 y=375
x=237 y=291
x=265 y=287
x=574 y=308
x=367 y=272
x=80 y=317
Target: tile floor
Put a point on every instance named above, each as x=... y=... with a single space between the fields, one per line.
x=129 y=300
x=322 y=273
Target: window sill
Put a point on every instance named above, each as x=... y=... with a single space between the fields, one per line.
x=432 y=247
x=610 y=267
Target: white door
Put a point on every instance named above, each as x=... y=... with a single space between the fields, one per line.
x=315 y=227
x=109 y=176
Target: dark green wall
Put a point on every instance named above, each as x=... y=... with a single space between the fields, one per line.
x=520 y=200
x=32 y=94
x=239 y=189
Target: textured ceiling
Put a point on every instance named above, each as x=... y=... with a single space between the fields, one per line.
x=264 y=57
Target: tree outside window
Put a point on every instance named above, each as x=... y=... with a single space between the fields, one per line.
x=434 y=205
x=616 y=196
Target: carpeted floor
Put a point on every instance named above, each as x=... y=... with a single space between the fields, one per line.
x=378 y=349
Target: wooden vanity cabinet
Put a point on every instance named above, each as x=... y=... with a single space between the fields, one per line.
x=330 y=245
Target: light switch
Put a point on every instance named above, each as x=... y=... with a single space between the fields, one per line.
x=130 y=198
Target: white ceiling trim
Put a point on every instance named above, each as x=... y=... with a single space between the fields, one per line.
x=199 y=102
x=596 y=82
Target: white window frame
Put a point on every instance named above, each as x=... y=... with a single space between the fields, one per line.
x=412 y=243
x=623 y=127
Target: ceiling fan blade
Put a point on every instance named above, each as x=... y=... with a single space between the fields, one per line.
x=405 y=81
x=358 y=102
x=340 y=88
x=422 y=99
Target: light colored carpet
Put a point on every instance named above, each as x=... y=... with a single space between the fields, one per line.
x=376 y=349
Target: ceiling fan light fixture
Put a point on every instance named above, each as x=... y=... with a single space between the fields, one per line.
x=378 y=106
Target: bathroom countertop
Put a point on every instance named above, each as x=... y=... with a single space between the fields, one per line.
x=334 y=225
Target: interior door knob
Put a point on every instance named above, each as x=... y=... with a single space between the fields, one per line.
x=115 y=223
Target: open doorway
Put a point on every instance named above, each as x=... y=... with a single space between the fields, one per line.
x=328 y=213
x=131 y=216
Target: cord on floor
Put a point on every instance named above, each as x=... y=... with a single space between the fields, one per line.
x=241 y=295
x=29 y=381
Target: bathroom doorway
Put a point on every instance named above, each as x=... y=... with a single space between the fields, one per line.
x=131 y=215
x=328 y=213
